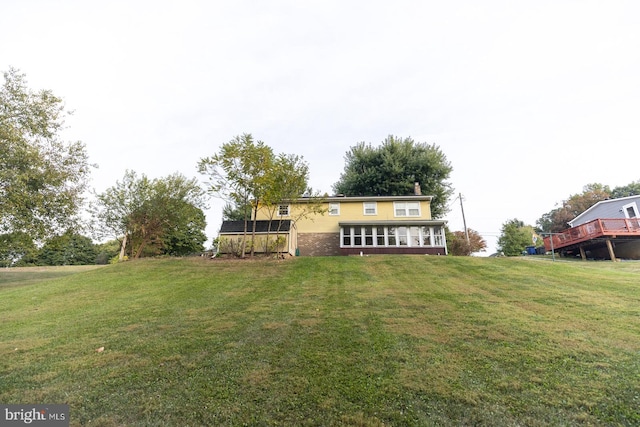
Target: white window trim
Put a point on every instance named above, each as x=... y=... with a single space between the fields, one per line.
x=406 y=210
x=288 y=210
x=632 y=205
x=435 y=233
x=375 y=208
x=337 y=206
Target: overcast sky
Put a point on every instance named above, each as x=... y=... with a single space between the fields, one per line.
x=529 y=100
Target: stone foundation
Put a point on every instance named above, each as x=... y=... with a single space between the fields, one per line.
x=319 y=244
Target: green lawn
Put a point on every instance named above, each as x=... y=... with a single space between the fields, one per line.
x=344 y=341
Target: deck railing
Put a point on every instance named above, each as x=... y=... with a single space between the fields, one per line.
x=602 y=227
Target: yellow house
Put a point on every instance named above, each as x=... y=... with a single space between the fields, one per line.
x=356 y=225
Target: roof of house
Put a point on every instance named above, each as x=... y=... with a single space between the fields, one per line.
x=362 y=199
x=262 y=226
x=603 y=209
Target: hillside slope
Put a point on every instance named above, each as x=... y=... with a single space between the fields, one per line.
x=361 y=341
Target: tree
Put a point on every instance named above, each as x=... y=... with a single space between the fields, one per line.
x=515 y=237
x=17 y=249
x=249 y=174
x=237 y=174
x=107 y=251
x=458 y=245
x=42 y=178
x=232 y=211
x=152 y=215
x=67 y=249
x=632 y=189
x=393 y=168
x=288 y=180
x=558 y=219
x=186 y=235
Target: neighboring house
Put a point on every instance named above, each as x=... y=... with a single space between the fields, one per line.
x=359 y=225
x=610 y=229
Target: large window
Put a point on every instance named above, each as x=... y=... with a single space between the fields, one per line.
x=406 y=208
x=380 y=236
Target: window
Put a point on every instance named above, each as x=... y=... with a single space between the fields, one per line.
x=368 y=236
x=407 y=208
x=414 y=236
x=357 y=236
x=370 y=208
x=630 y=210
x=426 y=236
x=392 y=236
x=380 y=236
x=438 y=237
x=334 y=209
x=402 y=236
x=283 y=210
x=346 y=238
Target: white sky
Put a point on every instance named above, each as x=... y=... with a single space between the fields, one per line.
x=529 y=100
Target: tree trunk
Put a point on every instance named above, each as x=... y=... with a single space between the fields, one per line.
x=253 y=232
x=122 y=248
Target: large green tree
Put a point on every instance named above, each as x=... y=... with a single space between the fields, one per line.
x=515 y=237
x=67 y=249
x=154 y=216
x=17 y=249
x=42 y=178
x=392 y=168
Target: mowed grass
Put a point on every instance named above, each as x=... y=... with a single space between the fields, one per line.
x=345 y=341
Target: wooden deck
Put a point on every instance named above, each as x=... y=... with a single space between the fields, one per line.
x=607 y=228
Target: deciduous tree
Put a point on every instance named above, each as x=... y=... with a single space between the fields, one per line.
x=42 y=178
x=237 y=174
x=393 y=168
x=515 y=237
x=457 y=242
x=154 y=213
x=67 y=249
x=17 y=249
x=632 y=189
x=558 y=219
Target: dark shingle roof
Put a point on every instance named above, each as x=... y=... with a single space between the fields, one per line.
x=262 y=226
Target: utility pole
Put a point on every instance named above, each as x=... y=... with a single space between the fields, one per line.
x=464 y=221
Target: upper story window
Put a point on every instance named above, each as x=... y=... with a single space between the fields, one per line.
x=407 y=208
x=334 y=209
x=370 y=208
x=283 y=210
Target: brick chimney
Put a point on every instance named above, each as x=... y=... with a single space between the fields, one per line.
x=416 y=189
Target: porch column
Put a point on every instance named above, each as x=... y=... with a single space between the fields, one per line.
x=582 y=254
x=612 y=254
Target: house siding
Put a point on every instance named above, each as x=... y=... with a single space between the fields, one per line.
x=605 y=209
x=320 y=234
